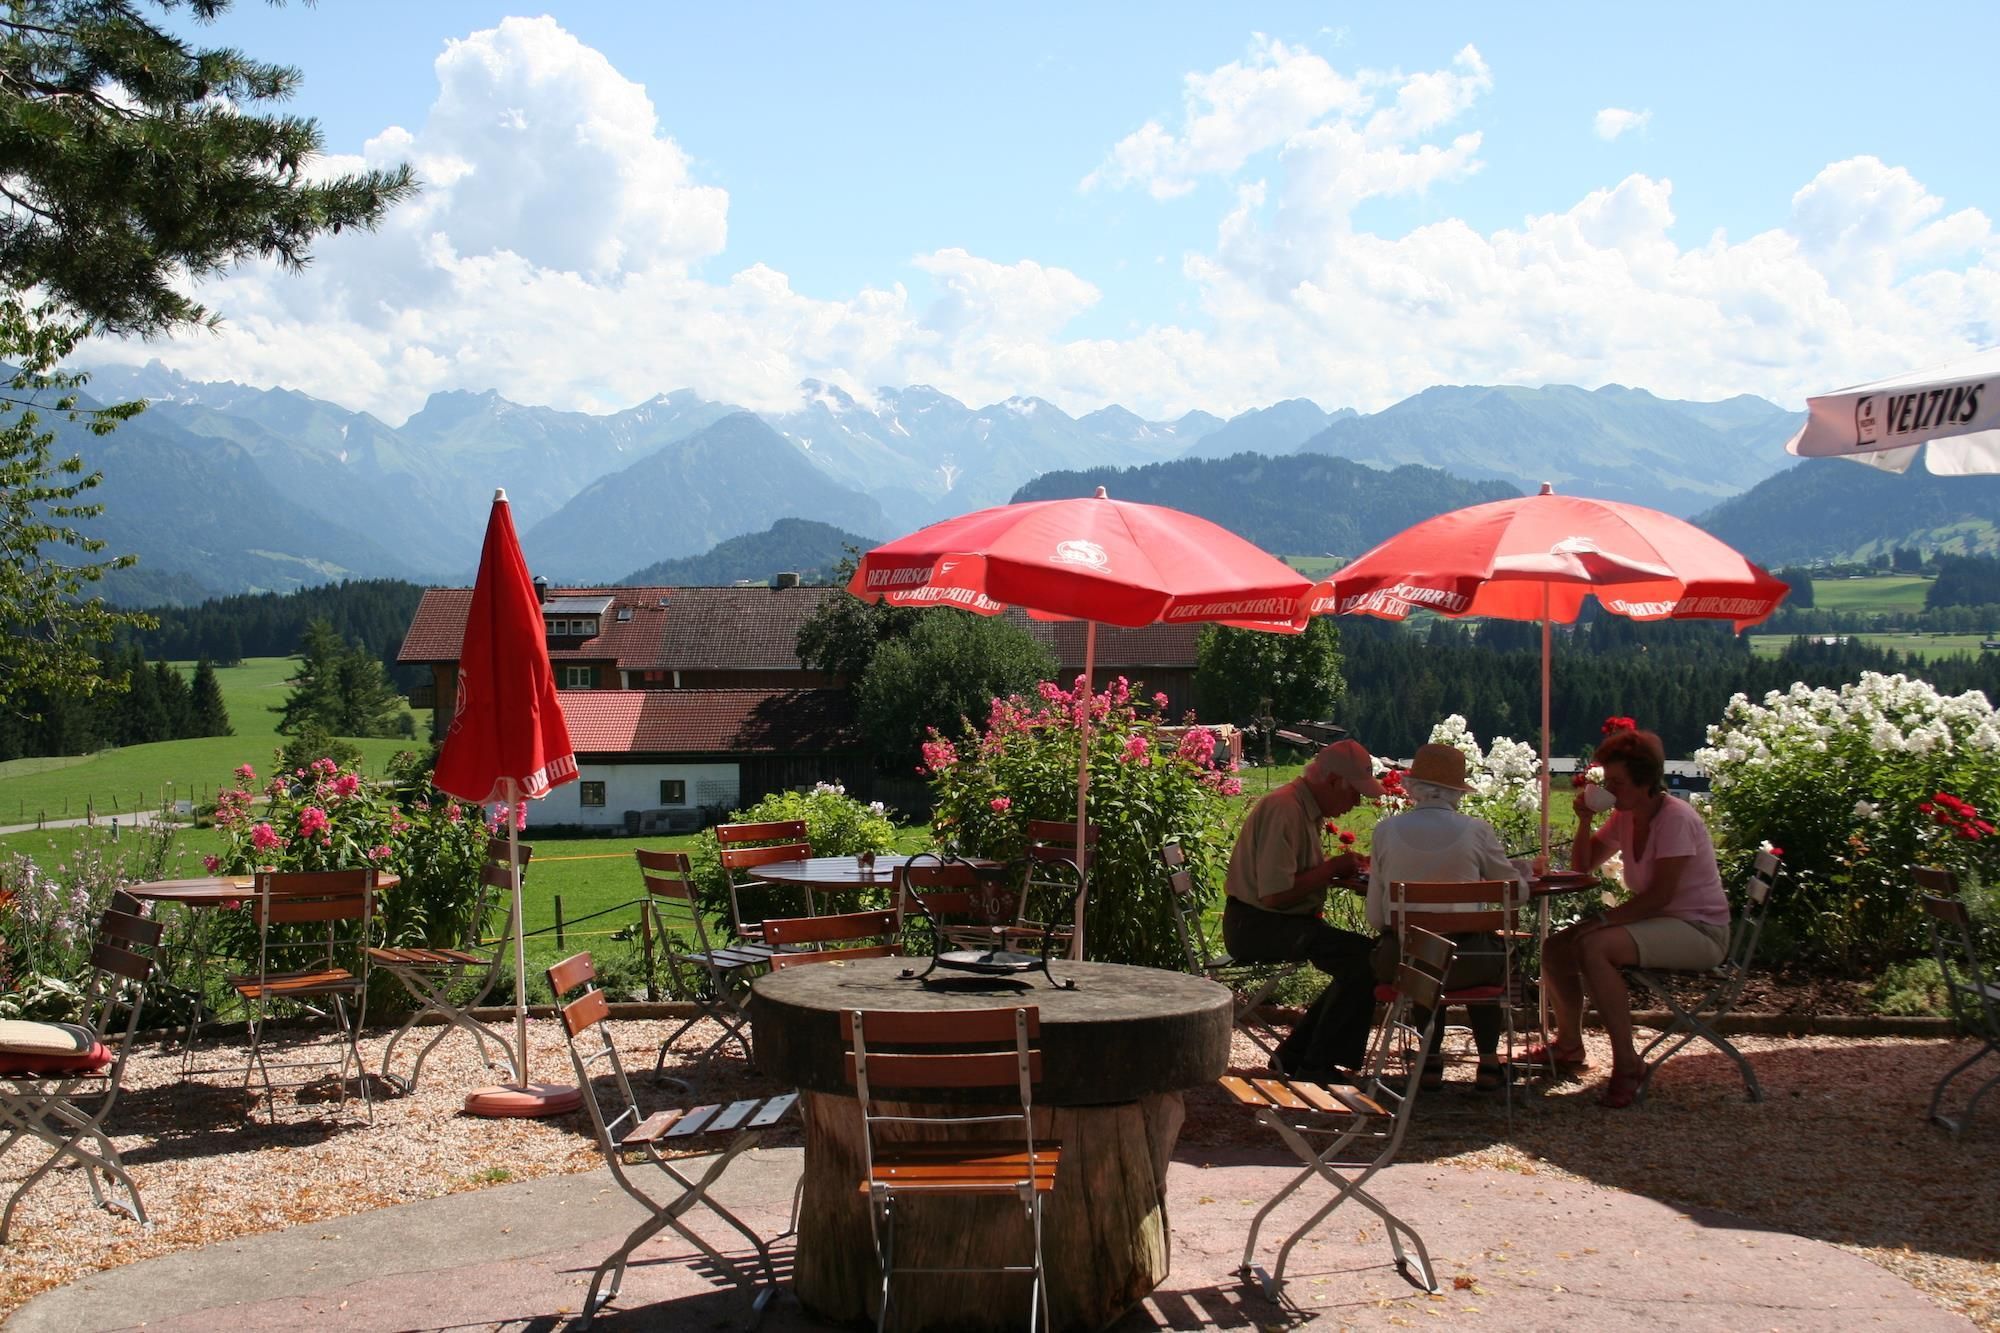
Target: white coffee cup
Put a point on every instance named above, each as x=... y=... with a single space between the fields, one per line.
x=1596 y=799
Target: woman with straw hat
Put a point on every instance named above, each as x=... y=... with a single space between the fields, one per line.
x=1432 y=842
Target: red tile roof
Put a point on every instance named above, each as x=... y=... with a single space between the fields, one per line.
x=671 y=629
x=709 y=721
x=742 y=629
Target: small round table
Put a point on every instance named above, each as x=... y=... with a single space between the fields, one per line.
x=1117 y=1053
x=832 y=873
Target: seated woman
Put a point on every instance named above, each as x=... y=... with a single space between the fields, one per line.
x=1677 y=916
x=1433 y=843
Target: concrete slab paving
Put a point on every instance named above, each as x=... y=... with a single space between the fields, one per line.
x=1510 y=1249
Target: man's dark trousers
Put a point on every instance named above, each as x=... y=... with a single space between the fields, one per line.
x=1335 y=1030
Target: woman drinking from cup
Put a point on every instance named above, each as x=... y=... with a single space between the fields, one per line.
x=1677 y=916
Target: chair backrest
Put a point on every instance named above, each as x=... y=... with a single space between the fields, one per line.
x=1186 y=902
x=794 y=933
x=670 y=894
x=309 y=898
x=1749 y=926
x=1052 y=871
x=1457 y=908
x=583 y=1012
x=952 y=893
x=1057 y=838
x=1934 y=880
x=1973 y=995
x=122 y=964
x=496 y=885
x=1419 y=984
x=747 y=846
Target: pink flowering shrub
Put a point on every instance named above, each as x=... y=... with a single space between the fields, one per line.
x=1146 y=788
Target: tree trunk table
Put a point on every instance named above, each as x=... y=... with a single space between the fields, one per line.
x=1117 y=1052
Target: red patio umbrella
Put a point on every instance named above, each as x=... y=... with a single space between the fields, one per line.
x=507 y=742
x=1537 y=558
x=1095 y=559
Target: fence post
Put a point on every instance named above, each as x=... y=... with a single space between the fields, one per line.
x=559 y=922
x=646 y=944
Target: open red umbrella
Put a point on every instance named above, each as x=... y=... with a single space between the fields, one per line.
x=1094 y=559
x=1537 y=558
x=507 y=742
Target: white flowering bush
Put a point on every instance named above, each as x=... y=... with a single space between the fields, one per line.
x=1854 y=786
x=1505 y=778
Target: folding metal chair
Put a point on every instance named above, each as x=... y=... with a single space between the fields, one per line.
x=1362 y=1127
x=1251 y=985
x=431 y=975
x=744 y=847
x=967 y=905
x=827 y=939
x=1053 y=871
x=715 y=979
x=62 y=1098
x=286 y=905
x=628 y=1132
x=907 y=1053
x=1472 y=907
x=1969 y=983
x=1723 y=985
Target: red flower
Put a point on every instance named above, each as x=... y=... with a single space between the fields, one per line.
x=1614 y=725
x=1346 y=839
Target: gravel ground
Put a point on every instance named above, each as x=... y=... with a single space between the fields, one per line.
x=1839 y=1151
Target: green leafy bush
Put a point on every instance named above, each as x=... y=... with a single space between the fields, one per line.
x=1854 y=786
x=1145 y=789
x=836 y=824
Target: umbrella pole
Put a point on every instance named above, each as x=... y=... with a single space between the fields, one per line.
x=1083 y=786
x=513 y=790
x=1545 y=723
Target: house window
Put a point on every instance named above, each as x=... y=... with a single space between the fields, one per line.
x=590 y=793
x=579 y=677
x=673 y=791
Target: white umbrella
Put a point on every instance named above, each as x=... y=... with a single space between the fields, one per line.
x=1955 y=407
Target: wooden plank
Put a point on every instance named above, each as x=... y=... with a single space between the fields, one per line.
x=733 y=1115
x=650 y=1130
x=1321 y=1099
x=694 y=1122
x=774 y=1110
x=1352 y=1099
x=1242 y=1091
x=1280 y=1095
x=983 y=1069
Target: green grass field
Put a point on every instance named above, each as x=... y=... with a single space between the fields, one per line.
x=1926 y=646
x=140 y=777
x=1886 y=593
x=1315 y=566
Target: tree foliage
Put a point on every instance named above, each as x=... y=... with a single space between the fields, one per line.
x=338 y=690
x=130 y=162
x=948 y=668
x=1237 y=670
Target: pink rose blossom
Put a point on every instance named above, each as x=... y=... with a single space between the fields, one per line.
x=1001 y=804
x=1135 y=750
x=211 y=864
x=346 y=785
x=379 y=852
x=452 y=814
x=246 y=774
x=1160 y=702
x=264 y=838
x=312 y=820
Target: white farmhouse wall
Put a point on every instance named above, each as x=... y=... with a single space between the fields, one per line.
x=633 y=787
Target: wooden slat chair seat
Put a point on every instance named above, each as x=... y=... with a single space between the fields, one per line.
x=1361 y=1127
x=1969 y=984
x=65 y=1109
x=343 y=901
x=728 y=1128
x=715 y=979
x=1720 y=987
x=433 y=975
x=744 y=847
x=1251 y=985
x=892 y=1053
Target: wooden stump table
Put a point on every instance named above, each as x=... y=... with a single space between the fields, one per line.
x=1117 y=1052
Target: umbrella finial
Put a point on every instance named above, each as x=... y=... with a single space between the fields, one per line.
x=1547 y=489
x=1101 y=495
x=500 y=495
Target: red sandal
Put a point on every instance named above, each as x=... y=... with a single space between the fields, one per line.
x=1621 y=1091
x=1564 y=1060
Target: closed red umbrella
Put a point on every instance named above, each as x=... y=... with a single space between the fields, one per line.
x=1538 y=558
x=1096 y=559
x=507 y=742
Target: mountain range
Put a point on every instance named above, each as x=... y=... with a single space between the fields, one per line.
x=222 y=487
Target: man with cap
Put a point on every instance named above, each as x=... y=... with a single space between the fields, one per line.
x=1278 y=878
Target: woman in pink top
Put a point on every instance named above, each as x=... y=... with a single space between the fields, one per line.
x=1677 y=916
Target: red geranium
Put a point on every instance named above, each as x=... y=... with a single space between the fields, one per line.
x=1613 y=725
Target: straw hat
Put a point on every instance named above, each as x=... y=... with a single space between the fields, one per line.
x=1439 y=765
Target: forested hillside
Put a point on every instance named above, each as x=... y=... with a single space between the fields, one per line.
x=1297 y=504
x=374 y=613
x=796 y=545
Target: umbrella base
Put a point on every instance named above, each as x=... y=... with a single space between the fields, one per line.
x=530 y=1101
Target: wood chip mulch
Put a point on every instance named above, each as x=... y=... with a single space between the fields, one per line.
x=1839 y=1151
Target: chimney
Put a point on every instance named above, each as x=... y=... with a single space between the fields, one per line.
x=541 y=589
x=788 y=579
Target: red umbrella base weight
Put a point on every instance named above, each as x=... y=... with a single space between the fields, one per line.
x=530 y=1101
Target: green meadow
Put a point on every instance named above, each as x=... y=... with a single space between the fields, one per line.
x=1881 y=593
x=142 y=777
x=1926 y=646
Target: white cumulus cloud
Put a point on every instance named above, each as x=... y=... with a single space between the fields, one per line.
x=1616 y=120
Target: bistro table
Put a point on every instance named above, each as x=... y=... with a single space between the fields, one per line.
x=1117 y=1053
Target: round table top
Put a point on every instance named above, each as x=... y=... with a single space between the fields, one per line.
x=219 y=890
x=1122 y=1034
x=832 y=872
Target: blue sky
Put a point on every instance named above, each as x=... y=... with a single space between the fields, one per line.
x=1169 y=206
